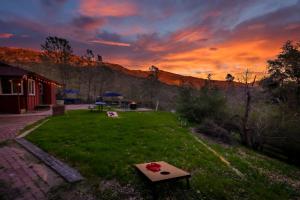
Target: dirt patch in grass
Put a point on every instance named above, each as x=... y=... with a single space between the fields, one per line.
x=112 y=188
x=78 y=191
x=206 y=137
x=283 y=179
x=105 y=189
x=273 y=175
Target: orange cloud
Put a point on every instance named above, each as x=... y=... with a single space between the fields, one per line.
x=6 y=35
x=230 y=57
x=191 y=35
x=111 y=43
x=107 y=8
x=293 y=26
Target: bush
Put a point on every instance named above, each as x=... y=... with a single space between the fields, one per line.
x=210 y=128
x=196 y=106
x=283 y=133
x=275 y=128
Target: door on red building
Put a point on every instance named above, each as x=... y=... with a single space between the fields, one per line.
x=41 y=93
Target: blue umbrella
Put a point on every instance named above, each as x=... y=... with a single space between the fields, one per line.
x=71 y=91
x=111 y=94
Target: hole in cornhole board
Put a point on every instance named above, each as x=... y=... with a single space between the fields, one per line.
x=164 y=173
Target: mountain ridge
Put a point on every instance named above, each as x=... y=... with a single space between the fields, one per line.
x=21 y=55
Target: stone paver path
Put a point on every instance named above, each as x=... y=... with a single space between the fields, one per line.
x=22 y=176
x=11 y=125
x=77 y=106
x=26 y=176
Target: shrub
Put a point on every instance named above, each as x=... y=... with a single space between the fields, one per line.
x=196 y=106
x=275 y=128
x=210 y=128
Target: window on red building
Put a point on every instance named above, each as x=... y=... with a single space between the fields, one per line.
x=11 y=86
x=31 y=87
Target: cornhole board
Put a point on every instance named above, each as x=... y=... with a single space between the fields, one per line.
x=112 y=114
x=167 y=173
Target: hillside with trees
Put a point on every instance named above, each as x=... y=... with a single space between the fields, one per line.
x=91 y=76
x=264 y=116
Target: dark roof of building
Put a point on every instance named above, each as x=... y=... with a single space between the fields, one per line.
x=9 y=70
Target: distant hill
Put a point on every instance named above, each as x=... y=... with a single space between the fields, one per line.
x=23 y=56
x=93 y=80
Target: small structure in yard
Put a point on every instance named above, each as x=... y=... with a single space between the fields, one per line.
x=71 y=96
x=58 y=110
x=133 y=105
x=112 y=114
x=112 y=98
x=22 y=90
x=98 y=106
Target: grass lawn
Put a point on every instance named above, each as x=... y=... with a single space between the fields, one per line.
x=104 y=149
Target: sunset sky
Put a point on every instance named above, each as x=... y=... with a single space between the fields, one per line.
x=189 y=37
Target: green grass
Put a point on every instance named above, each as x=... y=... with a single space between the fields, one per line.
x=105 y=148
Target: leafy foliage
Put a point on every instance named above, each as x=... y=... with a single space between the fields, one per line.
x=89 y=55
x=57 y=49
x=195 y=106
x=284 y=71
x=229 y=78
x=151 y=85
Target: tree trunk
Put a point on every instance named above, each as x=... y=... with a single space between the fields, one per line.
x=298 y=91
x=89 y=89
x=246 y=137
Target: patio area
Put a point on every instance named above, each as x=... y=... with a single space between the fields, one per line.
x=22 y=175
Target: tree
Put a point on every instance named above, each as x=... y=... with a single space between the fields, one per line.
x=245 y=134
x=285 y=69
x=58 y=51
x=198 y=105
x=208 y=81
x=229 y=78
x=287 y=64
x=185 y=103
x=100 y=59
x=89 y=56
x=96 y=74
x=209 y=77
x=152 y=84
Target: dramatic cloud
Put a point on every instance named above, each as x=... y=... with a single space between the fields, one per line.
x=193 y=37
x=111 y=8
x=88 y=23
x=6 y=35
x=112 y=43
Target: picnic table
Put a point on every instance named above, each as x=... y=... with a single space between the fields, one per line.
x=165 y=173
x=100 y=105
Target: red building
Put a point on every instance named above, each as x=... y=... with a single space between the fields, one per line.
x=22 y=90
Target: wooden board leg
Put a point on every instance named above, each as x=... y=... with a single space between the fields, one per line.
x=154 y=192
x=188 y=183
